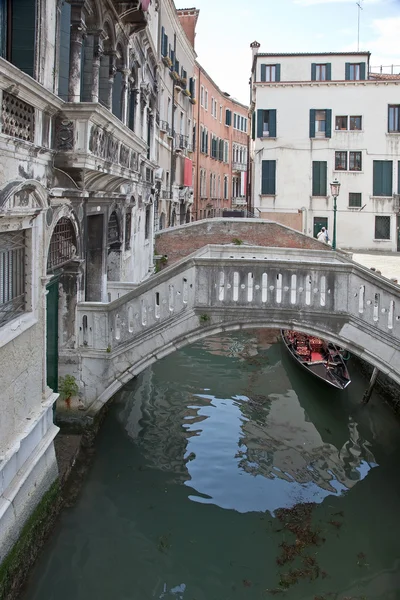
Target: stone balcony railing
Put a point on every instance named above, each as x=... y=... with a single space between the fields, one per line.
x=238 y=166
x=27 y=108
x=89 y=137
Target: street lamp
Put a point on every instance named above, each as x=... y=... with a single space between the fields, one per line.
x=335 y=188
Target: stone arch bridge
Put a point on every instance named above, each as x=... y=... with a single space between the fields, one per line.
x=225 y=288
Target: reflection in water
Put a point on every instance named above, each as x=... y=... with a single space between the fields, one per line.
x=195 y=465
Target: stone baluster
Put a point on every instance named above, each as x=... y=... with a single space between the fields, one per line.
x=111 y=74
x=78 y=30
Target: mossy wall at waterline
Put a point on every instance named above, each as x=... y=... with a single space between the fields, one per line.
x=14 y=568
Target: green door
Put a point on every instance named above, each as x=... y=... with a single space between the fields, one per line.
x=318 y=223
x=52 y=335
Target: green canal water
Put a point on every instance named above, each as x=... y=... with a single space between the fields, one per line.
x=224 y=472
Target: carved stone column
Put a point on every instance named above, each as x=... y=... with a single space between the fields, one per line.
x=111 y=74
x=97 y=54
x=125 y=92
x=78 y=30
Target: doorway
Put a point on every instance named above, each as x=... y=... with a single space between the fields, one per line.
x=52 y=334
x=319 y=222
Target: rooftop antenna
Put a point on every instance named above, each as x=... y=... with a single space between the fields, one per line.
x=360 y=8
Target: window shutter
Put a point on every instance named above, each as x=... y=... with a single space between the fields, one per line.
x=319 y=178
x=313 y=72
x=268 y=172
x=260 y=119
x=328 y=123
x=312 y=122
x=387 y=177
x=362 y=70
x=277 y=74
x=382 y=178
x=162 y=40
x=23 y=37
x=323 y=177
x=377 y=178
x=328 y=71
x=272 y=123
x=315 y=178
x=263 y=74
x=253 y=126
x=228 y=117
x=347 y=71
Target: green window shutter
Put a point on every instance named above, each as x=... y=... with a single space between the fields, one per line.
x=260 y=119
x=347 y=72
x=313 y=72
x=176 y=65
x=64 y=40
x=268 y=173
x=319 y=178
x=253 y=126
x=228 y=117
x=328 y=71
x=398 y=177
x=328 y=123
x=362 y=70
x=382 y=178
x=312 y=122
x=272 y=123
x=23 y=39
x=263 y=75
x=162 y=40
x=277 y=74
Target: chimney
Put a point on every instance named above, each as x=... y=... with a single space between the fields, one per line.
x=254 y=48
x=188 y=19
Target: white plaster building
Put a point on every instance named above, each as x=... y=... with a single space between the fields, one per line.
x=176 y=122
x=78 y=102
x=318 y=117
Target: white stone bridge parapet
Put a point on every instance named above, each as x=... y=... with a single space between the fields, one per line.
x=224 y=288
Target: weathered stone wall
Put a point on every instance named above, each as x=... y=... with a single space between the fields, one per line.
x=181 y=241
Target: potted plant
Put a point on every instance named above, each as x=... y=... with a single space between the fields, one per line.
x=186 y=92
x=68 y=387
x=193 y=100
x=183 y=82
x=174 y=75
x=167 y=61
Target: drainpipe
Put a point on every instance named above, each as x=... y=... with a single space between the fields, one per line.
x=85 y=243
x=304 y=224
x=198 y=148
x=173 y=162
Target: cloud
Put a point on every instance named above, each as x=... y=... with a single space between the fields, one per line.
x=384 y=42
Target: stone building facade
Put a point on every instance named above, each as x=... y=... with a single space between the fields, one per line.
x=321 y=117
x=79 y=101
x=175 y=131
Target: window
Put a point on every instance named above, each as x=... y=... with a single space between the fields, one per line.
x=128 y=229
x=206 y=99
x=270 y=72
x=394 y=118
x=321 y=72
x=320 y=123
x=147 y=222
x=341 y=124
x=382 y=228
x=164 y=42
x=319 y=178
x=63 y=241
x=12 y=275
x=355 y=71
x=226 y=186
x=220 y=114
x=355 y=123
x=355 y=161
x=266 y=123
x=382 y=178
x=226 y=151
x=341 y=161
x=268 y=175
x=228 y=117
x=354 y=200
x=203 y=192
x=240 y=122
x=201 y=96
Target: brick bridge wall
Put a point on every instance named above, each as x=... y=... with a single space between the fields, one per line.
x=178 y=242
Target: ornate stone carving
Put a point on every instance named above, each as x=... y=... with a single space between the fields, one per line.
x=18 y=118
x=64 y=133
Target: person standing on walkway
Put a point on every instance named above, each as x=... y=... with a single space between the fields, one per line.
x=323 y=236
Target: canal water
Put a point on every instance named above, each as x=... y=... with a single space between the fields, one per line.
x=224 y=472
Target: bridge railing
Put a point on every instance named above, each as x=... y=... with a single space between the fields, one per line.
x=222 y=277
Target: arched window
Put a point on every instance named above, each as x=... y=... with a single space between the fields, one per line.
x=62 y=244
x=113 y=233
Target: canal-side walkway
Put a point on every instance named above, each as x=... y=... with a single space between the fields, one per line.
x=388 y=263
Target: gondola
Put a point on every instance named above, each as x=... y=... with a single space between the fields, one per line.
x=322 y=359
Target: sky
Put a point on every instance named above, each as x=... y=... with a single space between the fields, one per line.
x=226 y=28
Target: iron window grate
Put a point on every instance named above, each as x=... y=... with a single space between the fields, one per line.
x=382 y=228
x=12 y=275
x=62 y=244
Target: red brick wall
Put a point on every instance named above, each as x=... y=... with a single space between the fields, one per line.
x=178 y=242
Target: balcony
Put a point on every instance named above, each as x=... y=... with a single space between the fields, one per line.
x=133 y=13
x=164 y=127
x=90 y=141
x=238 y=166
x=239 y=201
x=27 y=109
x=181 y=142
